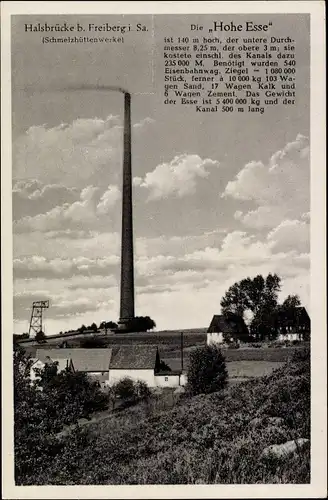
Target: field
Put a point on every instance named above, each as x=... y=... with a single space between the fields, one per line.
x=243 y=363
x=166 y=340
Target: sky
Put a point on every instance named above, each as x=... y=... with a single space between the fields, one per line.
x=216 y=198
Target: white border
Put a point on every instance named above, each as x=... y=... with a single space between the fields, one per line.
x=317 y=488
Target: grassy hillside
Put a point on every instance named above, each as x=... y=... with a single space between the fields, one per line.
x=216 y=438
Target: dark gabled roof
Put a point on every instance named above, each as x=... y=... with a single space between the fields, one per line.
x=234 y=324
x=84 y=360
x=295 y=315
x=134 y=357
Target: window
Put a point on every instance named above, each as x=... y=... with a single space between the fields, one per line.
x=166 y=379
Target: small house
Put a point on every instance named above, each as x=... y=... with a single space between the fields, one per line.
x=226 y=327
x=43 y=358
x=142 y=362
x=94 y=362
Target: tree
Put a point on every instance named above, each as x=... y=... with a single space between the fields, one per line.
x=164 y=367
x=40 y=337
x=207 y=370
x=142 y=391
x=40 y=414
x=107 y=325
x=140 y=324
x=291 y=302
x=74 y=394
x=161 y=366
x=124 y=389
x=82 y=328
x=94 y=327
x=258 y=295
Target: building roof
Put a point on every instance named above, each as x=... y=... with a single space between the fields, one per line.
x=84 y=360
x=294 y=316
x=168 y=373
x=134 y=357
x=62 y=363
x=232 y=324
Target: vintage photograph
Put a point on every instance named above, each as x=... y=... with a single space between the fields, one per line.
x=161 y=266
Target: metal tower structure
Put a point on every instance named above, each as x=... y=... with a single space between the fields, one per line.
x=36 y=317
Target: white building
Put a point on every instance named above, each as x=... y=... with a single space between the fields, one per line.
x=109 y=366
x=215 y=338
x=141 y=362
x=94 y=362
x=290 y=336
x=224 y=328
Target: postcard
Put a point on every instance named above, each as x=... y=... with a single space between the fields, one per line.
x=163 y=244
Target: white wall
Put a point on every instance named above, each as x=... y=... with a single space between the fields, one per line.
x=167 y=380
x=289 y=336
x=147 y=376
x=215 y=338
x=183 y=379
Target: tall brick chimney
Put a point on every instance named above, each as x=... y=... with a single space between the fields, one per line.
x=127 y=264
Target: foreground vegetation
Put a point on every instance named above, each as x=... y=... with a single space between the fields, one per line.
x=205 y=439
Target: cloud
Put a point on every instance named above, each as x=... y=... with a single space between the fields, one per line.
x=63 y=304
x=177 y=178
x=86 y=149
x=189 y=281
x=144 y=122
x=32 y=197
x=239 y=255
x=37 y=266
x=108 y=200
x=280 y=189
x=177 y=245
x=291 y=234
x=80 y=215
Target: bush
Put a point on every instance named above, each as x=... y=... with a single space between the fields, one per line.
x=140 y=324
x=208 y=439
x=207 y=370
x=256 y=345
x=40 y=414
x=233 y=345
x=107 y=325
x=142 y=391
x=40 y=337
x=130 y=391
x=124 y=389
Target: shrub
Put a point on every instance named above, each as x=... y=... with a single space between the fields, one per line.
x=124 y=389
x=142 y=391
x=233 y=345
x=40 y=337
x=204 y=440
x=140 y=324
x=207 y=370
